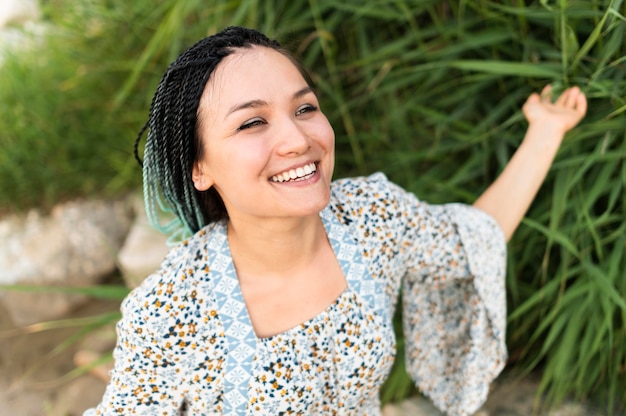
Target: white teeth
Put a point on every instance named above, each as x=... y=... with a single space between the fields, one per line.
x=297 y=174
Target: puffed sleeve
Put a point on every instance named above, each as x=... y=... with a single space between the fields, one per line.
x=143 y=380
x=454 y=304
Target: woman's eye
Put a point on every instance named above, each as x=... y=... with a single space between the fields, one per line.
x=252 y=123
x=306 y=109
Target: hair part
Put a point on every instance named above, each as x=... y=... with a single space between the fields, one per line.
x=174 y=144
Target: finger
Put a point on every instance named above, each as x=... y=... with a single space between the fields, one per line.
x=571 y=97
x=533 y=98
x=563 y=98
x=546 y=93
x=581 y=104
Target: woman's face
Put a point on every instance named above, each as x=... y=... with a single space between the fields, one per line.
x=266 y=146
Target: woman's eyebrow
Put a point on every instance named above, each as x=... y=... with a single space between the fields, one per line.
x=304 y=91
x=260 y=103
x=243 y=106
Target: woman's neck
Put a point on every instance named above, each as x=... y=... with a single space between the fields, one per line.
x=275 y=248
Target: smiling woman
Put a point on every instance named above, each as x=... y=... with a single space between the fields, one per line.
x=270 y=126
x=281 y=302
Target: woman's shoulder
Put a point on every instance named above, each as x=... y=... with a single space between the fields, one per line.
x=178 y=270
x=372 y=191
x=369 y=200
x=374 y=186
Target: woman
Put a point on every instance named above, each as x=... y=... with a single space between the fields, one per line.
x=281 y=302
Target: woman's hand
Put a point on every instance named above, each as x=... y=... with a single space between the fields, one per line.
x=561 y=115
x=509 y=197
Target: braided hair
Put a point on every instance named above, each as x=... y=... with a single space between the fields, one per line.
x=173 y=144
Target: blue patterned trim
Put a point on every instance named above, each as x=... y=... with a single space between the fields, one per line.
x=352 y=262
x=240 y=337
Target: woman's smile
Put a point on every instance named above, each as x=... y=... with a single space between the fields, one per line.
x=298 y=174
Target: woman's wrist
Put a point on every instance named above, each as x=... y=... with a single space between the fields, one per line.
x=543 y=138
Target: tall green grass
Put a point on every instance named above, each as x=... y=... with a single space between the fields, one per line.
x=427 y=91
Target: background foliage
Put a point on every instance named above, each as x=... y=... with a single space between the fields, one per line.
x=427 y=91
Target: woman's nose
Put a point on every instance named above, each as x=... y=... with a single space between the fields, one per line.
x=292 y=138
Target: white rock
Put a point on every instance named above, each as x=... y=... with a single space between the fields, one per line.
x=75 y=245
x=18 y=11
x=143 y=250
x=20 y=27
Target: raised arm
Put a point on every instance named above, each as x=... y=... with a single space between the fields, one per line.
x=509 y=197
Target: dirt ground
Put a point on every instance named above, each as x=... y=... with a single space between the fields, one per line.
x=36 y=380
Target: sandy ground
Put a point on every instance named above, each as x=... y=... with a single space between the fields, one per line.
x=36 y=380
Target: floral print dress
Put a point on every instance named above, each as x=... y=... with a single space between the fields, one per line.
x=186 y=344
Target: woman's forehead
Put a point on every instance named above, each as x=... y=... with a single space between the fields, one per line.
x=250 y=73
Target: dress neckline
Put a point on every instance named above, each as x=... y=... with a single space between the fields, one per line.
x=328 y=310
x=241 y=339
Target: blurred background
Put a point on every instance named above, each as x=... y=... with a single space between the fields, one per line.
x=427 y=91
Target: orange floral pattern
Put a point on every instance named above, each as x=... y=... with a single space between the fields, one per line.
x=185 y=346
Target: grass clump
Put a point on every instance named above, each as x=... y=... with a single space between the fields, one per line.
x=58 y=135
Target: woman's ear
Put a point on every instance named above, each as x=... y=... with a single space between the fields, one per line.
x=201 y=179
